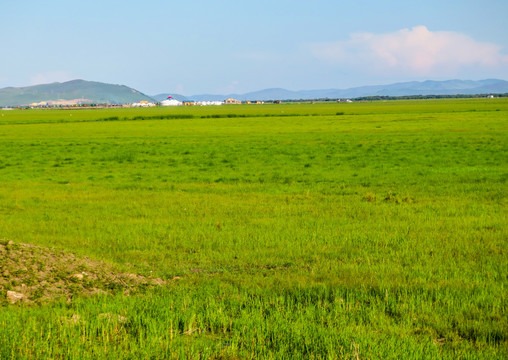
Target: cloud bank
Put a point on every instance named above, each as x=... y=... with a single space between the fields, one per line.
x=417 y=51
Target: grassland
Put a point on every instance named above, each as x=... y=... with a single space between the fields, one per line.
x=364 y=230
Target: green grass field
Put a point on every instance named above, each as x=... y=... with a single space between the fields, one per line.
x=356 y=231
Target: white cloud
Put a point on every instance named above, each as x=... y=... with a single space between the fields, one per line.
x=50 y=77
x=417 y=51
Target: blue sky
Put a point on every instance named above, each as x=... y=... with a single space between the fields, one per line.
x=226 y=46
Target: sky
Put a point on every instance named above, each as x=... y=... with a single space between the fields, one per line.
x=233 y=46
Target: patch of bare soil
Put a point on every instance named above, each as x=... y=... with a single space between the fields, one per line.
x=33 y=274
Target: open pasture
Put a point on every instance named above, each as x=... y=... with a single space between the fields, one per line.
x=327 y=230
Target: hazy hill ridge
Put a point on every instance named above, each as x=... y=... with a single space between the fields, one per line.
x=429 y=87
x=97 y=92
x=91 y=91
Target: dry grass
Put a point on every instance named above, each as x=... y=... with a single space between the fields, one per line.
x=33 y=274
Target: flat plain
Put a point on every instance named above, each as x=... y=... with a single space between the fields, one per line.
x=329 y=230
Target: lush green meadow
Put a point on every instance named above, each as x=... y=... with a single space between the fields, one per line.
x=365 y=230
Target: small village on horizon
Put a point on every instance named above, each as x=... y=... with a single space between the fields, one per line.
x=90 y=94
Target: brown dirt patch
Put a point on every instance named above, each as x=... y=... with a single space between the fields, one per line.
x=34 y=274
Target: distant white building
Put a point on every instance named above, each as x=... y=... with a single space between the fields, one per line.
x=206 y=103
x=171 y=102
x=143 y=104
x=232 y=101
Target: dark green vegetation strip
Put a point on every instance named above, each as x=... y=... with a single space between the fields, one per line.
x=371 y=231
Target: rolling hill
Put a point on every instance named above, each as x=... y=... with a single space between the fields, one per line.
x=96 y=92
x=78 y=90
x=448 y=87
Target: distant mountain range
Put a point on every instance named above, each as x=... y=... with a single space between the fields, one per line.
x=72 y=91
x=77 y=91
x=449 y=87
